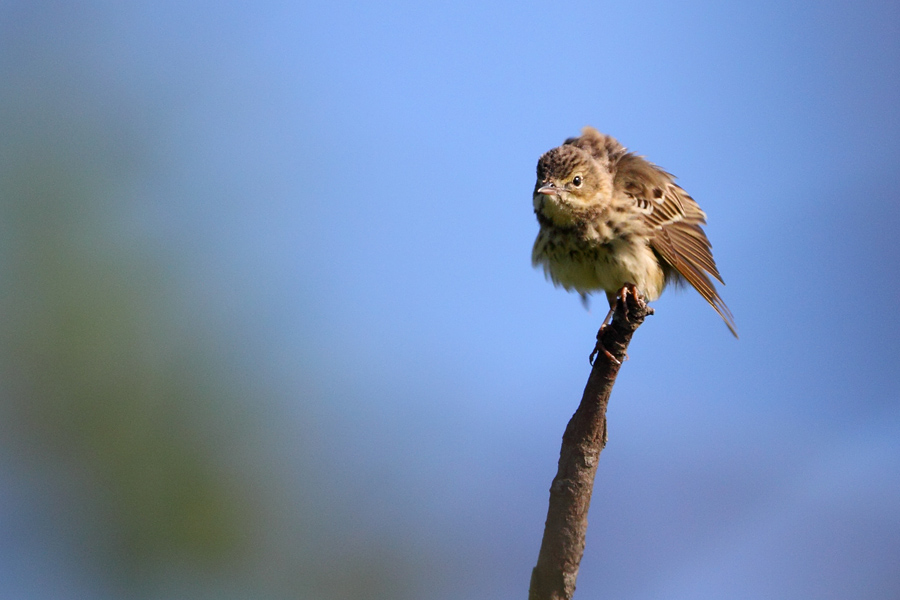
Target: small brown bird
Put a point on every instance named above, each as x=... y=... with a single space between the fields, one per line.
x=609 y=218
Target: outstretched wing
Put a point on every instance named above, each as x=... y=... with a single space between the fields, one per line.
x=675 y=220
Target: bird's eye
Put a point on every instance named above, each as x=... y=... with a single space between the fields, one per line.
x=576 y=181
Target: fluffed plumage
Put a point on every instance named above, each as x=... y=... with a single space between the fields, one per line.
x=610 y=217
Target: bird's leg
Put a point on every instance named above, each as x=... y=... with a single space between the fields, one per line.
x=608 y=317
x=599 y=346
x=622 y=295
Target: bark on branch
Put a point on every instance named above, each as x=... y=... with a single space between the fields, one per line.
x=570 y=494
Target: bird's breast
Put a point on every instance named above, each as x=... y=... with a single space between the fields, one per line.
x=598 y=256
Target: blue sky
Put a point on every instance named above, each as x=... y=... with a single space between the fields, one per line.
x=344 y=193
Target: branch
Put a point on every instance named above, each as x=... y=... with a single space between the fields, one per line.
x=570 y=494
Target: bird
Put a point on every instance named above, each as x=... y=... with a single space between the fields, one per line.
x=610 y=220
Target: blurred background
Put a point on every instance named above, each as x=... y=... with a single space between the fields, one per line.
x=270 y=329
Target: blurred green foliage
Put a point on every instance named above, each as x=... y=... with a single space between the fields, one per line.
x=98 y=379
x=151 y=456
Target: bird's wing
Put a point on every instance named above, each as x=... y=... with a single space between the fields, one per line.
x=675 y=221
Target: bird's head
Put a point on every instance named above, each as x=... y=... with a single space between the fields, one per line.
x=569 y=181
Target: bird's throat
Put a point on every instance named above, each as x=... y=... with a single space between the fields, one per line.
x=554 y=211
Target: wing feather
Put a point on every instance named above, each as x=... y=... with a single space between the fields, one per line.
x=674 y=220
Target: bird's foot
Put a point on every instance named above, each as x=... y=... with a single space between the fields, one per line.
x=622 y=295
x=599 y=347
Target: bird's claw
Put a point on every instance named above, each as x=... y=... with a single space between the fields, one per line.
x=599 y=347
x=628 y=288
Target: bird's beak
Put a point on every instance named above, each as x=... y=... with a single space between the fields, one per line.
x=548 y=190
